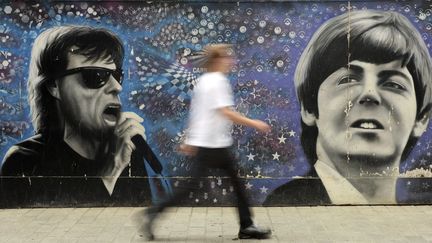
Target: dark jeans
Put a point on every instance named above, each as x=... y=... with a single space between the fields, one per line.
x=220 y=158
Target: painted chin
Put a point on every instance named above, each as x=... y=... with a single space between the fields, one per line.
x=374 y=143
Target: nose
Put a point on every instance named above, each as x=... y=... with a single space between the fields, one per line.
x=369 y=95
x=113 y=86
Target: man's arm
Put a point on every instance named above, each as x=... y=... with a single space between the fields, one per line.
x=239 y=119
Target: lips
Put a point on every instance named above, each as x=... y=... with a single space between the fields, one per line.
x=111 y=113
x=369 y=124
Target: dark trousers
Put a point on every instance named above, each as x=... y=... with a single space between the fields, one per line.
x=220 y=158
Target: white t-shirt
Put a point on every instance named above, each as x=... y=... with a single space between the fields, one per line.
x=207 y=126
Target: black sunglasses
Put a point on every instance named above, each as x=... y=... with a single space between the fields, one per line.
x=95 y=77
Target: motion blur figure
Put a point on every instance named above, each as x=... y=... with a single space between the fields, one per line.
x=209 y=142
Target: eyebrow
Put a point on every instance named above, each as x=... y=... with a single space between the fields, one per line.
x=355 y=68
x=381 y=74
x=390 y=73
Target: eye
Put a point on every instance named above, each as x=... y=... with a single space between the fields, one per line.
x=348 y=79
x=394 y=85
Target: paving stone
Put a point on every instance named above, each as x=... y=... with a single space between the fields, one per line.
x=220 y=224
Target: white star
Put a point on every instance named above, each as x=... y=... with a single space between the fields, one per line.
x=248 y=186
x=263 y=189
x=292 y=133
x=257 y=168
x=251 y=156
x=215 y=200
x=291 y=168
x=282 y=139
x=276 y=156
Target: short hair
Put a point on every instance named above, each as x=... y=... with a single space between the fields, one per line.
x=49 y=57
x=366 y=35
x=215 y=51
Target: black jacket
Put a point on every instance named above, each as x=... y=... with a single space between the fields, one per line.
x=41 y=172
x=308 y=190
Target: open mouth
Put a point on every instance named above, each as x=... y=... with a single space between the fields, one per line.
x=111 y=113
x=367 y=124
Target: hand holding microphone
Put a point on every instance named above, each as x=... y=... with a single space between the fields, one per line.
x=130 y=136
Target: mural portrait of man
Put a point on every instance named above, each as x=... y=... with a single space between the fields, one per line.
x=88 y=87
x=83 y=139
x=364 y=87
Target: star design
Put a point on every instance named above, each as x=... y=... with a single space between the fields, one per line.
x=248 y=186
x=282 y=139
x=292 y=133
x=291 y=168
x=224 y=192
x=276 y=156
x=257 y=168
x=215 y=200
x=270 y=119
x=251 y=156
x=263 y=189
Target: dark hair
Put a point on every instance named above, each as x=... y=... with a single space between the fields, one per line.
x=49 y=57
x=371 y=36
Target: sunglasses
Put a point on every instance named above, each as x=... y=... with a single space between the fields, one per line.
x=95 y=77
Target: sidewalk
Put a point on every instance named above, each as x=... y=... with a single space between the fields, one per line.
x=219 y=224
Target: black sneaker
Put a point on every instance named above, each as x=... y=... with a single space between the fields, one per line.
x=254 y=232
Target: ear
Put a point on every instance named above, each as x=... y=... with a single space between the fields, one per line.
x=420 y=126
x=53 y=89
x=307 y=117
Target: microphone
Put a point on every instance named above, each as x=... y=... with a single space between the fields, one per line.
x=144 y=150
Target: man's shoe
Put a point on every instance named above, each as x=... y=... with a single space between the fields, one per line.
x=254 y=232
x=146 y=230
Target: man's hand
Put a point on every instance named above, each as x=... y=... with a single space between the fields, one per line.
x=261 y=126
x=187 y=150
x=127 y=126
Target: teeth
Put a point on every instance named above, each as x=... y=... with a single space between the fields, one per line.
x=368 y=125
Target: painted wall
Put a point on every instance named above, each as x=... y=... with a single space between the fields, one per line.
x=268 y=39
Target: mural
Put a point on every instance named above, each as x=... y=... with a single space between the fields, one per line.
x=360 y=107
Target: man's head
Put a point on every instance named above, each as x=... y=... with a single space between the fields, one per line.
x=219 y=58
x=365 y=94
x=76 y=69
